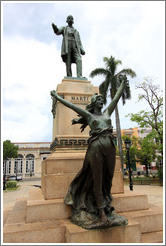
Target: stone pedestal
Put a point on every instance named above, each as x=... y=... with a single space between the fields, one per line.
x=60 y=168
x=65 y=134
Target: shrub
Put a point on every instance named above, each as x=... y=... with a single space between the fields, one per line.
x=11 y=184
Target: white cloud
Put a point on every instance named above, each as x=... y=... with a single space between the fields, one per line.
x=29 y=73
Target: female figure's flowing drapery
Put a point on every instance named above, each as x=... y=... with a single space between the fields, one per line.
x=90 y=189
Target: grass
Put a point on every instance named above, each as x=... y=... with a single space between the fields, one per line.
x=13 y=188
x=143 y=180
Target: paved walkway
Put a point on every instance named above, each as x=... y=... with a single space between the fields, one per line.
x=154 y=193
x=9 y=197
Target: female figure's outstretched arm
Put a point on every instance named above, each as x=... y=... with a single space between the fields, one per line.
x=82 y=112
x=115 y=100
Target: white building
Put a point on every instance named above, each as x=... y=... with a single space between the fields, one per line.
x=30 y=157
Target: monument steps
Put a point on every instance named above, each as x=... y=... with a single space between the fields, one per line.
x=17 y=230
x=150 y=220
x=39 y=209
x=152 y=237
x=37 y=226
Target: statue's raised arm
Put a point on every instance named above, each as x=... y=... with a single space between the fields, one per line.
x=55 y=28
x=82 y=112
x=109 y=110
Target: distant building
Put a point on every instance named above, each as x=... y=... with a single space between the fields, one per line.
x=139 y=132
x=31 y=155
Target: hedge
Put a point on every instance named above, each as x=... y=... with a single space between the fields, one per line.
x=11 y=184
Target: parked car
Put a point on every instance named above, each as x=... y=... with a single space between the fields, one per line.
x=13 y=177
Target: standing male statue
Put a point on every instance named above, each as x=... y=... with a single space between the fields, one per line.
x=71 y=49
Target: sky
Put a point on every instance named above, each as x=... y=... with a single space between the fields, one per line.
x=31 y=64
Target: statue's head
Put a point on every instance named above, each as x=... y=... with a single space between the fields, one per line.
x=70 y=19
x=95 y=97
x=97 y=100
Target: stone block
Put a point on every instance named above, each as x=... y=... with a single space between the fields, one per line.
x=117 y=183
x=39 y=209
x=56 y=186
x=150 y=220
x=78 y=92
x=152 y=237
x=16 y=230
x=119 y=234
x=130 y=201
x=63 y=162
x=46 y=232
x=60 y=168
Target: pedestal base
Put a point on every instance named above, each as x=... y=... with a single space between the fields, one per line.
x=36 y=220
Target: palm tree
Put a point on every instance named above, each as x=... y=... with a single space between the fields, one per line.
x=112 y=81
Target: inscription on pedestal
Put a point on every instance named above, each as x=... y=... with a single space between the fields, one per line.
x=80 y=99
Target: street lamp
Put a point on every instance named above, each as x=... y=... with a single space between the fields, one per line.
x=4 y=176
x=128 y=145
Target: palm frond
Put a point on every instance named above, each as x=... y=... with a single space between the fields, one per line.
x=103 y=89
x=99 y=71
x=127 y=71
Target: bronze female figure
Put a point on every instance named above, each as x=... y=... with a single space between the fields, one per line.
x=89 y=194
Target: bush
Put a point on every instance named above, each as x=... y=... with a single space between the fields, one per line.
x=11 y=184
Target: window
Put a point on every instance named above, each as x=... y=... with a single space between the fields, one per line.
x=18 y=163
x=8 y=166
x=30 y=163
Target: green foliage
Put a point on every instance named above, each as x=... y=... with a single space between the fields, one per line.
x=9 y=150
x=11 y=184
x=112 y=81
x=154 y=118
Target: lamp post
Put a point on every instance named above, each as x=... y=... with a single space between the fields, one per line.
x=4 y=176
x=128 y=145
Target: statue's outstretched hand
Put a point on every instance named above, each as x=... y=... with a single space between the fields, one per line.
x=75 y=121
x=55 y=28
x=82 y=52
x=53 y=94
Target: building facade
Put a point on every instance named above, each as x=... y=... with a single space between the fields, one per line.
x=31 y=155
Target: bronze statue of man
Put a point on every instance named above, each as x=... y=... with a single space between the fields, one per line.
x=72 y=48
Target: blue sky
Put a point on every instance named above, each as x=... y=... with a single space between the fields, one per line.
x=132 y=31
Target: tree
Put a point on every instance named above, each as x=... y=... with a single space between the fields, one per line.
x=153 y=118
x=147 y=151
x=112 y=81
x=142 y=150
x=9 y=151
